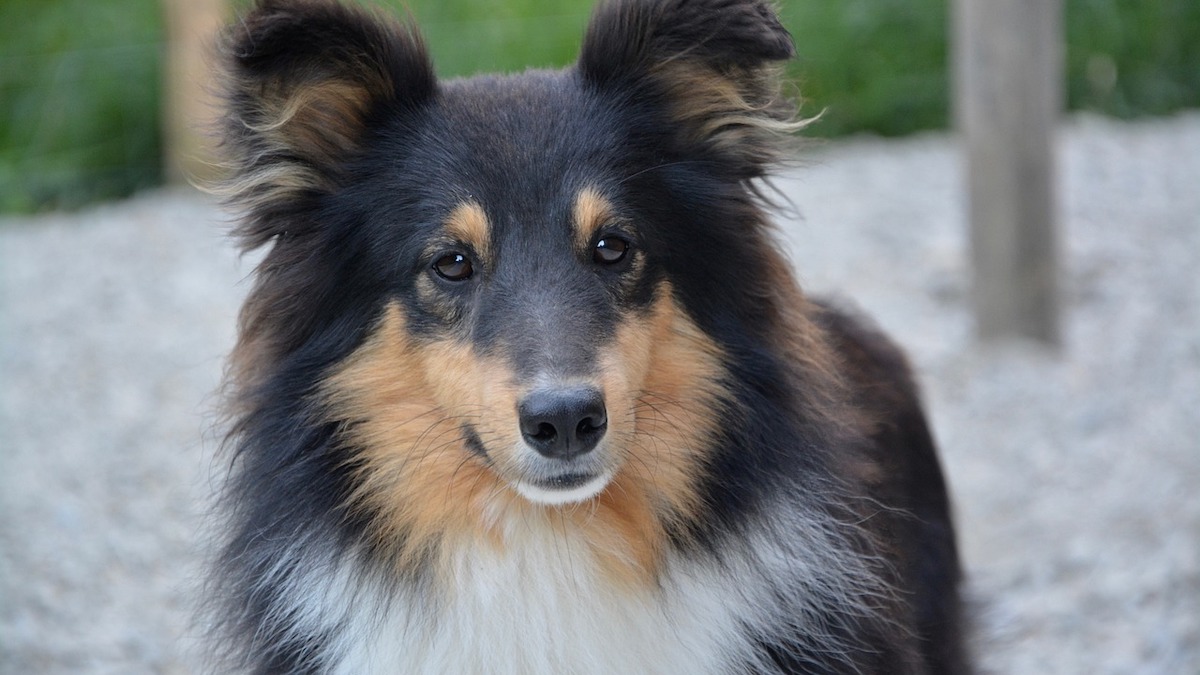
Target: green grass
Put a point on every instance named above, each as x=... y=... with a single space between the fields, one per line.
x=871 y=65
x=80 y=92
x=1133 y=57
x=474 y=36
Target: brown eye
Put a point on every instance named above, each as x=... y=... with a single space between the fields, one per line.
x=453 y=267
x=610 y=250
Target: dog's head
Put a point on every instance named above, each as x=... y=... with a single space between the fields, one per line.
x=506 y=289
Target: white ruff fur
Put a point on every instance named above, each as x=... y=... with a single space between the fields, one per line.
x=543 y=609
x=542 y=606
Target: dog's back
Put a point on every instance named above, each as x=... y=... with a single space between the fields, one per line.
x=904 y=473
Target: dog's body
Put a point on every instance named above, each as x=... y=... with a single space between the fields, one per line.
x=524 y=385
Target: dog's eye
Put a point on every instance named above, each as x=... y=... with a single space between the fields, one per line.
x=610 y=250
x=453 y=267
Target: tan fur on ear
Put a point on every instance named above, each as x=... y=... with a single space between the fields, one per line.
x=304 y=80
x=740 y=110
x=320 y=121
x=710 y=63
x=314 y=123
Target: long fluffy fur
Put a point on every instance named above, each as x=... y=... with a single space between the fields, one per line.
x=766 y=497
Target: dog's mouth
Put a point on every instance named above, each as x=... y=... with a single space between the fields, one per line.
x=566 y=481
x=565 y=488
x=546 y=481
x=549 y=482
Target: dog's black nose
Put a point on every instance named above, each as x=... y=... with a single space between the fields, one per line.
x=563 y=423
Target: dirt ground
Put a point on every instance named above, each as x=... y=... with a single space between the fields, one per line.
x=1075 y=474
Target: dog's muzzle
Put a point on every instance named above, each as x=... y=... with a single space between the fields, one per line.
x=564 y=427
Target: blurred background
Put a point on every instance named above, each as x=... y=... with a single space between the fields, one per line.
x=81 y=93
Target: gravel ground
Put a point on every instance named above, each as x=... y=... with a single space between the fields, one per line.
x=1075 y=474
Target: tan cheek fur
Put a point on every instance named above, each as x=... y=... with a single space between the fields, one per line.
x=665 y=375
x=403 y=406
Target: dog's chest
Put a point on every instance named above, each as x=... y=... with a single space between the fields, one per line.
x=542 y=606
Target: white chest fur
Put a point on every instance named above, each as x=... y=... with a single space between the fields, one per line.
x=540 y=606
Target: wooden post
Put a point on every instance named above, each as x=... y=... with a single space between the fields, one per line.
x=189 y=105
x=1008 y=94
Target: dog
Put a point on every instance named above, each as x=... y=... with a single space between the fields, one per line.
x=525 y=385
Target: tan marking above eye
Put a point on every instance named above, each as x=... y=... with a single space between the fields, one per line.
x=468 y=223
x=592 y=211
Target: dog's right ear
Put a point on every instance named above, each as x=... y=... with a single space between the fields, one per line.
x=305 y=82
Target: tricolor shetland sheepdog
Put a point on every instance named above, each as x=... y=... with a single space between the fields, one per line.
x=524 y=384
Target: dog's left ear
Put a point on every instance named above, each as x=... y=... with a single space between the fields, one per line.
x=710 y=64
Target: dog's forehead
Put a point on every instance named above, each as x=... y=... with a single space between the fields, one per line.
x=528 y=138
x=530 y=104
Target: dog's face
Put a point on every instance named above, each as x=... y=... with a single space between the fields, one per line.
x=522 y=286
x=491 y=276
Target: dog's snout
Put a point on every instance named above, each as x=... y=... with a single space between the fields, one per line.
x=563 y=423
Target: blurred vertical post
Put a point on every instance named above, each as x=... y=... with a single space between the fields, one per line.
x=1008 y=96
x=189 y=104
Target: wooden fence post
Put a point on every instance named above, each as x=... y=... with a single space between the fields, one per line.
x=188 y=87
x=1008 y=96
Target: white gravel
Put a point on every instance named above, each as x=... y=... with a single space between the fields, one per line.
x=1075 y=474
